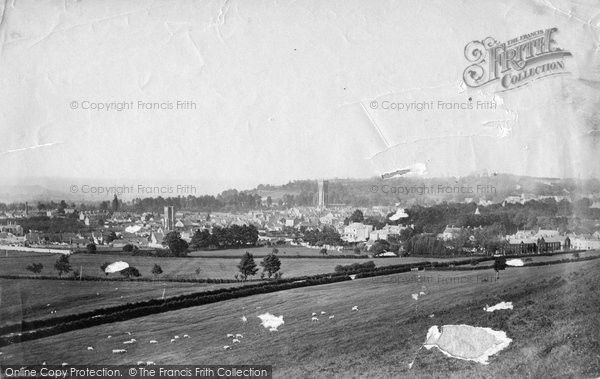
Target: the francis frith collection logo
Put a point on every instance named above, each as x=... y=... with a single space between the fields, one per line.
x=514 y=63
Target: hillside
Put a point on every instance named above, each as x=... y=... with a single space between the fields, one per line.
x=554 y=327
x=414 y=190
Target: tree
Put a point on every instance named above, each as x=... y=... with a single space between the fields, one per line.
x=247 y=266
x=111 y=236
x=201 y=239
x=357 y=216
x=157 y=270
x=128 y=248
x=499 y=264
x=269 y=201
x=36 y=268
x=130 y=271
x=90 y=247
x=406 y=234
x=62 y=206
x=376 y=222
x=380 y=247
x=62 y=265
x=275 y=251
x=323 y=251
x=104 y=206
x=271 y=264
x=177 y=246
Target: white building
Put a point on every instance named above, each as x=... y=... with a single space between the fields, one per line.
x=582 y=243
x=378 y=235
x=356 y=232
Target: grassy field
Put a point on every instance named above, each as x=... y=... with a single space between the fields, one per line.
x=263 y=251
x=26 y=299
x=555 y=328
x=214 y=268
x=284 y=251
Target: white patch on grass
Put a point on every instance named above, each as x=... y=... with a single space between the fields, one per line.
x=467 y=342
x=502 y=305
x=119 y=351
x=415 y=296
x=355 y=308
x=244 y=319
x=270 y=321
x=116 y=267
x=515 y=262
x=153 y=341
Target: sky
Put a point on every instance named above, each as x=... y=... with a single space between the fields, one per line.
x=274 y=91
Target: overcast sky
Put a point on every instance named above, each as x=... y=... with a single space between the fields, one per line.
x=283 y=90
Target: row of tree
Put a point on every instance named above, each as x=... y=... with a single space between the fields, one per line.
x=247 y=267
x=234 y=236
x=544 y=214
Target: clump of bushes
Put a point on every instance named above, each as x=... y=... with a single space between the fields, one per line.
x=354 y=267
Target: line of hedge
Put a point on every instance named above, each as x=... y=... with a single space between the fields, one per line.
x=530 y=264
x=125 y=279
x=286 y=256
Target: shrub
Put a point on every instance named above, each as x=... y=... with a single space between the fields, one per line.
x=355 y=267
x=36 y=268
x=62 y=265
x=103 y=267
x=130 y=271
x=156 y=269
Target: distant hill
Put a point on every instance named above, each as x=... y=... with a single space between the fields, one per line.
x=354 y=192
x=22 y=193
x=411 y=190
